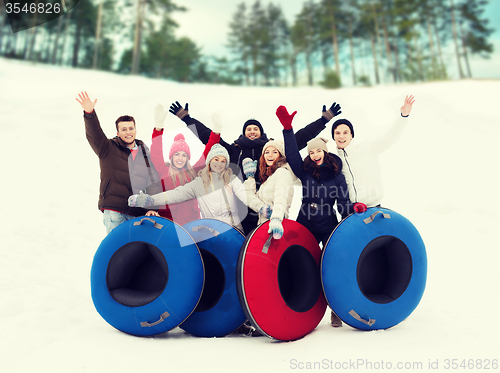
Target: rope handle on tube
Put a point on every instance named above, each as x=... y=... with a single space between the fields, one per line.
x=354 y=314
x=163 y=316
x=211 y=230
x=369 y=219
x=265 y=249
x=155 y=223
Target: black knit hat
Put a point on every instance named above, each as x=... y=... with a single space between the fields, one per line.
x=253 y=122
x=342 y=121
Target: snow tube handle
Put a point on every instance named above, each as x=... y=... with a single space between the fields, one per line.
x=163 y=316
x=372 y=216
x=211 y=230
x=266 y=246
x=354 y=314
x=155 y=223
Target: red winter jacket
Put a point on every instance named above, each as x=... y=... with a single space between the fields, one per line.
x=186 y=211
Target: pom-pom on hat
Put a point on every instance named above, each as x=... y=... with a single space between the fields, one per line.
x=342 y=121
x=253 y=122
x=280 y=145
x=217 y=151
x=178 y=145
x=317 y=143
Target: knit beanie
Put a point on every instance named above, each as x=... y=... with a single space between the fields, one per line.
x=253 y=122
x=217 y=151
x=342 y=121
x=317 y=143
x=277 y=144
x=179 y=144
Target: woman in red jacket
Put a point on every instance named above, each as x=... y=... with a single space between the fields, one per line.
x=178 y=169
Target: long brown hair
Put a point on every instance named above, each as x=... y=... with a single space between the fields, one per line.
x=311 y=167
x=265 y=171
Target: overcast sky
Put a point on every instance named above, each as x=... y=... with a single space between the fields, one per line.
x=207 y=23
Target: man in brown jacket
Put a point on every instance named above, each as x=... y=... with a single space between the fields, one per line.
x=125 y=163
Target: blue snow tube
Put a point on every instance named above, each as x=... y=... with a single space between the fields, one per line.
x=147 y=276
x=374 y=269
x=219 y=311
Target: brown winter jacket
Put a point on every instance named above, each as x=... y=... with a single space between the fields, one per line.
x=121 y=175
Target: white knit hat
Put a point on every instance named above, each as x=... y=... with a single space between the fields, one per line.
x=217 y=151
x=280 y=145
x=317 y=143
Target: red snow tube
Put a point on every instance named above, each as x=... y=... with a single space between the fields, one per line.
x=279 y=281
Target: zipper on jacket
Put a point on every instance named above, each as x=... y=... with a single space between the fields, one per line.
x=352 y=175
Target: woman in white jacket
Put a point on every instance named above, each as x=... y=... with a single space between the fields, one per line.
x=216 y=189
x=360 y=161
x=274 y=197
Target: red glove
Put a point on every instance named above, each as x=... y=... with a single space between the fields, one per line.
x=284 y=117
x=359 y=207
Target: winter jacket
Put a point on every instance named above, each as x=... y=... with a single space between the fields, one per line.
x=243 y=147
x=276 y=191
x=186 y=211
x=319 y=195
x=361 y=167
x=122 y=174
x=212 y=202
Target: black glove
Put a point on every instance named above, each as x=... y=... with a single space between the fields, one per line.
x=182 y=113
x=330 y=113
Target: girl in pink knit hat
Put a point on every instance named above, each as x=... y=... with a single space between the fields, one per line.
x=177 y=170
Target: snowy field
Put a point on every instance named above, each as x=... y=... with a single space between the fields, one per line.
x=442 y=175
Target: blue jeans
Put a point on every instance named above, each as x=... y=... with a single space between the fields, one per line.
x=113 y=219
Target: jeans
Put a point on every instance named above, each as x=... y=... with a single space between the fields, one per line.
x=113 y=219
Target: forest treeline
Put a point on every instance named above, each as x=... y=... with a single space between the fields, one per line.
x=330 y=42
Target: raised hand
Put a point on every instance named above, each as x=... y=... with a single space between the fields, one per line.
x=249 y=167
x=86 y=102
x=182 y=113
x=407 y=105
x=217 y=123
x=332 y=112
x=160 y=115
x=285 y=118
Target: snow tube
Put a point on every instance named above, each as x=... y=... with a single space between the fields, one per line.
x=374 y=269
x=147 y=276
x=279 y=281
x=219 y=311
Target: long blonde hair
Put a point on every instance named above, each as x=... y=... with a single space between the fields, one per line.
x=206 y=176
x=173 y=172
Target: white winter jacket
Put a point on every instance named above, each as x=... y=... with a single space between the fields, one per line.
x=361 y=168
x=276 y=191
x=212 y=202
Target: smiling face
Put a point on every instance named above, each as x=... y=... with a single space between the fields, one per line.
x=270 y=155
x=179 y=159
x=317 y=156
x=252 y=132
x=342 y=136
x=218 y=164
x=127 y=132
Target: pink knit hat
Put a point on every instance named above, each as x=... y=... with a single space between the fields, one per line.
x=179 y=144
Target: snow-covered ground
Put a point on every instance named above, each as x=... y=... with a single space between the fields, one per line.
x=442 y=175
